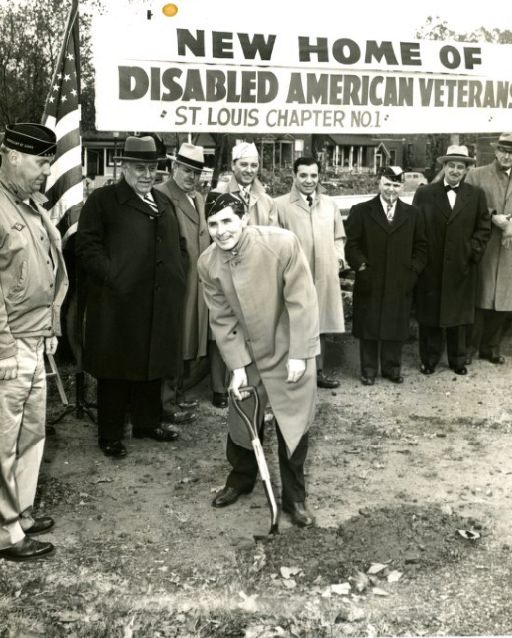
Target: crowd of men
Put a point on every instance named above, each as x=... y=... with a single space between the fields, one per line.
x=250 y=281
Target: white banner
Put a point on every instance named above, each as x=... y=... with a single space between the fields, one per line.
x=206 y=74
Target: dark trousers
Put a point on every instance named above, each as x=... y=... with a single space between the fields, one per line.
x=487 y=331
x=118 y=398
x=320 y=357
x=172 y=389
x=219 y=373
x=431 y=340
x=390 y=357
x=245 y=468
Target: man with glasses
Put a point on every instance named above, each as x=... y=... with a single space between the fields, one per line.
x=494 y=294
x=458 y=226
x=129 y=245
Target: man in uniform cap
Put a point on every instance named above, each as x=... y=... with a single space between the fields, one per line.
x=244 y=182
x=457 y=224
x=129 y=245
x=264 y=315
x=33 y=284
x=494 y=294
x=387 y=249
x=182 y=189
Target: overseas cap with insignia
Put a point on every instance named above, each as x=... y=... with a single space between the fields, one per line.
x=393 y=173
x=244 y=149
x=33 y=139
x=215 y=203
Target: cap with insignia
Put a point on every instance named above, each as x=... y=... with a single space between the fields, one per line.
x=30 y=138
x=393 y=173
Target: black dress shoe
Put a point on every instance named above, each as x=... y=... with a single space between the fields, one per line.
x=425 y=369
x=220 y=399
x=462 y=370
x=188 y=404
x=322 y=381
x=162 y=434
x=367 y=380
x=497 y=359
x=394 y=378
x=41 y=525
x=299 y=514
x=179 y=417
x=112 y=448
x=26 y=549
x=227 y=496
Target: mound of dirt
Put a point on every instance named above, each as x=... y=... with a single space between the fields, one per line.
x=406 y=538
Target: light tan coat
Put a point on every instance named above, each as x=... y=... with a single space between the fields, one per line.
x=263 y=311
x=193 y=229
x=495 y=268
x=262 y=209
x=321 y=234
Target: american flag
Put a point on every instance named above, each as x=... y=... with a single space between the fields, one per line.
x=62 y=114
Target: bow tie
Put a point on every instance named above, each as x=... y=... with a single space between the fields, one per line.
x=451 y=188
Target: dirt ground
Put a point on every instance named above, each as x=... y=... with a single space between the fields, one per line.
x=410 y=486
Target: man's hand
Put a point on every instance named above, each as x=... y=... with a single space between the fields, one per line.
x=50 y=345
x=8 y=368
x=500 y=221
x=239 y=380
x=296 y=369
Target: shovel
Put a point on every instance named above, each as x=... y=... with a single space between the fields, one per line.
x=252 y=427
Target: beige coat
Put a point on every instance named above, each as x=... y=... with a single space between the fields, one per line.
x=32 y=285
x=194 y=230
x=262 y=209
x=495 y=268
x=321 y=235
x=263 y=311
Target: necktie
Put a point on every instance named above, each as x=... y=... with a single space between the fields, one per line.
x=451 y=188
x=309 y=200
x=151 y=203
x=389 y=214
x=245 y=195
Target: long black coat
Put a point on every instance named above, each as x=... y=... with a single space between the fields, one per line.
x=446 y=291
x=394 y=253
x=136 y=266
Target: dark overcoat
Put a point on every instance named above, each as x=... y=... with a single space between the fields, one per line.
x=136 y=267
x=395 y=253
x=446 y=290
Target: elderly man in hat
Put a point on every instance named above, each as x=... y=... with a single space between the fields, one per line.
x=245 y=183
x=387 y=248
x=458 y=226
x=264 y=315
x=33 y=283
x=182 y=189
x=316 y=220
x=494 y=294
x=129 y=245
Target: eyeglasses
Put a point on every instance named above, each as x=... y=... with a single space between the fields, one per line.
x=504 y=152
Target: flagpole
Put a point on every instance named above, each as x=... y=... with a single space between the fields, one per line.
x=64 y=187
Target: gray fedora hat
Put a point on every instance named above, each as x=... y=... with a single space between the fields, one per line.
x=457 y=153
x=504 y=142
x=139 y=149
